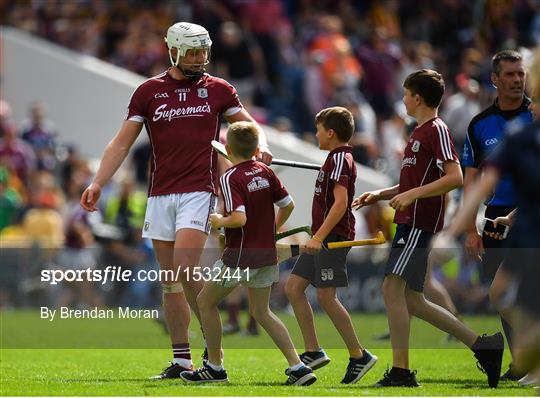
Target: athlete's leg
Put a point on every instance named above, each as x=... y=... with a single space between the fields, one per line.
x=438 y=317
x=188 y=249
x=177 y=314
x=295 y=289
x=259 y=299
x=341 y=319
x=208 y=300
x=393 y=289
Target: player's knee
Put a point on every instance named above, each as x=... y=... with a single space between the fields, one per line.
x=326 y=296
x=414 y=303
x=391 y=290
x=495 y=294
x=204 y=303
x=292 y=291
x=259 y=313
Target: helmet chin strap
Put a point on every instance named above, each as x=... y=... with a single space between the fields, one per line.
x=186 y=72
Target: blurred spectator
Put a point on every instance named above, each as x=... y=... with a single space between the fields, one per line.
x=10 y=200
x=459 y=109
x=380 y=63
x=15 y=153
x=39 y=133
x=239 y=60
x=126 y=209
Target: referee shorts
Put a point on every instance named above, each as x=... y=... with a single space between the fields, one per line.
x=409 y=256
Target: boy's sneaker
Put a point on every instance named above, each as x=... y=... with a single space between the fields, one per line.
x=205 y=374
x=511 y=375
x=398 y=378
x=488 y=350
x=529 y=380
x=301 y=377
x=171 y=372
x=358 y=367
x=315 y=359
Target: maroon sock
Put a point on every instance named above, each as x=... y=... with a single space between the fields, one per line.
x=252 y=324
x=233 y=310
x=181 y=351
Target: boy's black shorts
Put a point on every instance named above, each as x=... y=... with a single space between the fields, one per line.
x=409 y=256
x=325 y=269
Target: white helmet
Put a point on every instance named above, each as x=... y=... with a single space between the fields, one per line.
x=185 y=36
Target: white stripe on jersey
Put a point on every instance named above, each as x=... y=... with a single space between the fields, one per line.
x=338 y=165
x=444 y=138
x=226 y=189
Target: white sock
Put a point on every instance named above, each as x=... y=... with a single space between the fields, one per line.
x=217 y=368
x=185 y=363
x=299 y=365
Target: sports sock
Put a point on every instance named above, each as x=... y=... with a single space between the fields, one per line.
x=299 y=365
x=233 y=309
x=217 y=368
x=182 y=355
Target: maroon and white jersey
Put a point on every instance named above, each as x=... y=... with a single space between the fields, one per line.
x=339 y=168
x=429 y=146
x=182 y=117
x=253 y=188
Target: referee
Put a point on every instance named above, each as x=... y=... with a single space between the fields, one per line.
x=484 y=134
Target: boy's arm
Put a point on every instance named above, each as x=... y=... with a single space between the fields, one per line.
x=368 y=198
x=236 y=219
x=452 y=179
x=283 y=214
x=335 y=214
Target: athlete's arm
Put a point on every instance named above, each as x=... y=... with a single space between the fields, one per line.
x=265 y=155
x=452 y=179
x=337 y=211
x=113 y=156
x=283 y=215
x=236 y=219
x=474 y=246
x=369 y=198
x=472 y=201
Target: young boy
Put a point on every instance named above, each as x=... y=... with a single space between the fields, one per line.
x=325 y=269
x=430 y=168
x=250 y=189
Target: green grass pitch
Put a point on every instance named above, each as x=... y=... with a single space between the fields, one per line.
x=131 y=355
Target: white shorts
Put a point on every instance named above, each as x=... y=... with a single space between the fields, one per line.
x=167 y=214
x=256 y=278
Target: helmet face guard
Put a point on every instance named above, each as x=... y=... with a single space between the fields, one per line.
x=184 y=37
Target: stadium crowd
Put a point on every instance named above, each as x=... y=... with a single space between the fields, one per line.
x=348 y=53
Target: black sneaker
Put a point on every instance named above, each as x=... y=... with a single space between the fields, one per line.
x=511 y=375
x=315 y=359
x=488 y=350
x=394 y=378
x=205 y=374
x=171 y=372
x=358 y=367
x=301 y=377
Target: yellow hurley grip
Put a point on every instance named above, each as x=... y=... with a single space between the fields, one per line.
x=362 y=242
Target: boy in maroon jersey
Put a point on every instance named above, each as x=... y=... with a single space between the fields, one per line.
x=250 y=189
x=333 y=221
x=430 y=168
